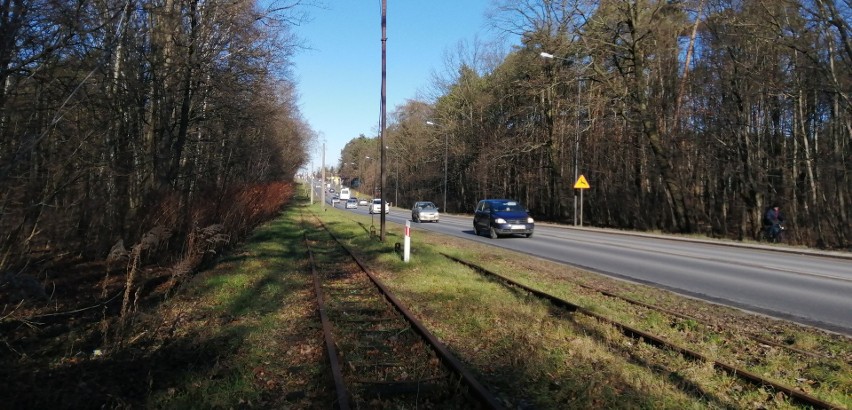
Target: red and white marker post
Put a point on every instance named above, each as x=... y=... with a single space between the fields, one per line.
x=406 y=251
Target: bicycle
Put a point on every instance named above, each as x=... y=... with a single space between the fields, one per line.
x=773 y=233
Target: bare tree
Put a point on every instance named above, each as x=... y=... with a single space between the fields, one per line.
x=108 y=110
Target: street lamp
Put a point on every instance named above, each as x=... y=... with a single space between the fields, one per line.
x=577 y=136
x=372 y=194
x=396 y=179
x=354 y=167
x=446 y=148
x=322 y=195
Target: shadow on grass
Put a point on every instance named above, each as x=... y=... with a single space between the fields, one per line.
x=152 y=367
x=126 y=378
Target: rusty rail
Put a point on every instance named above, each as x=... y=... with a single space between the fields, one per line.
x=475 y=388
x=330 y=347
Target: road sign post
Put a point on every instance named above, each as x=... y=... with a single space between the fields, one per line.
x=582 y=185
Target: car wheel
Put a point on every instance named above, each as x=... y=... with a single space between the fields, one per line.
x=492 y=233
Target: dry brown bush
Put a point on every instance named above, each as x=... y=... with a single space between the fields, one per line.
x=169 y=250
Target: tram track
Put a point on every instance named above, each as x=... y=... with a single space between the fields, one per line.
x=763 y=340
x=657 y=341
x=378 y=352
x=697 y=319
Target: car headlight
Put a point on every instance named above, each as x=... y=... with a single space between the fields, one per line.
x=530 y=220
x=499 y=221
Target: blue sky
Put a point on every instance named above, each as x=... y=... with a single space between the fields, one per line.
x=339 y=77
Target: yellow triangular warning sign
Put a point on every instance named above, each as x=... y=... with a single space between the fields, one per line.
x=581 y=183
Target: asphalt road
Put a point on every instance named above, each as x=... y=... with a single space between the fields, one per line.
x=807 y=287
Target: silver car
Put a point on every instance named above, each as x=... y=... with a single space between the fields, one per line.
x=424 y=211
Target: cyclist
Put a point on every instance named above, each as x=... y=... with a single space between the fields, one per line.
x=772 y=220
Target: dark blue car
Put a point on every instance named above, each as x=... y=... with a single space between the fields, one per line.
x=498 y=217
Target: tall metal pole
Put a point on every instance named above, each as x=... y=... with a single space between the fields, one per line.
x=577 y=151
x=576 y=138
x=446 y=148
x=396 y=192
x=382 y=138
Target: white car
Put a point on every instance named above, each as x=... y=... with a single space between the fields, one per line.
x=376 y=207
x=363 y=202
x=351 y=203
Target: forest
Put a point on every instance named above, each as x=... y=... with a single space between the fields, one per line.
x=136 y=128
x=142 y=131
x=687 y=117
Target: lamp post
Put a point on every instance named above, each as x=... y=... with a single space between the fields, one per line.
x=373 y=193
x=349 y=173
x=396 y=190
x=446 y=148
x=322 y=195
x=396 y=179
x=577 y=136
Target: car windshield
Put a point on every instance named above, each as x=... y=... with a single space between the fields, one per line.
x=508 y=207
x=427 y=205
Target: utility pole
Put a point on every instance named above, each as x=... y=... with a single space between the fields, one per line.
x=384 y=114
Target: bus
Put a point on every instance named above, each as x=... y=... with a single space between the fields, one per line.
x=344 y=194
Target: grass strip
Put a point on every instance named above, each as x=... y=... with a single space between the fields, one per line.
x=254 y=317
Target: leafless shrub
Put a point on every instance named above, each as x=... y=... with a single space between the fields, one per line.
x=201 y=242
x=118 y=254
x=149 y=242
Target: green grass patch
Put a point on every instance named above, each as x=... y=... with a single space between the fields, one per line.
x=544 y=358
x=262 y=346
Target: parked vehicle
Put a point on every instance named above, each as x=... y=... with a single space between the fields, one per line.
x=424 y=211
x=498 y=217
x=351 y=203
x=376 y=207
